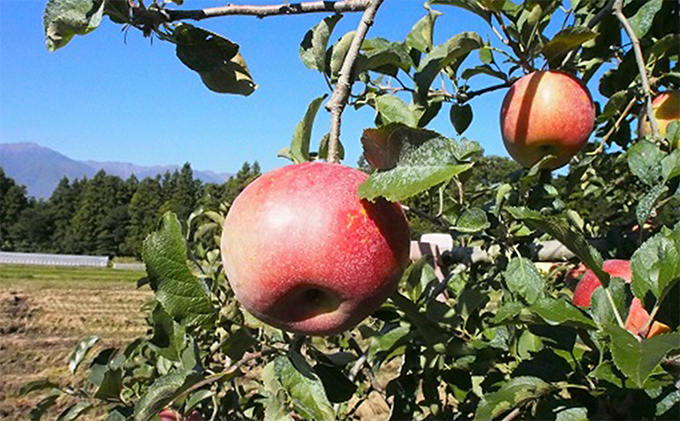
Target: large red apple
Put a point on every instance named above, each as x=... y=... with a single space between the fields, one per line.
x=546 y=113
x=302 y=252
x=666 y=109
x=637 y=315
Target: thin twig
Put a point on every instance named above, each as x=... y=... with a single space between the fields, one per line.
x=513 y=414
x=614 y=129
x=640 y=60
x=338 y=101
x=229 y=371
x=166 y=15
x=516 y=48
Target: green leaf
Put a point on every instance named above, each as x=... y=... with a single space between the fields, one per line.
x=561 y=312
x=313 y=45
x=601 y=307
x=648 y=202
x=472 y=220
x=514 y=393
x=528 y=344
x=338 y=387
x=299 y=146
x=642 y=20
x=461 y=117
x=474 y=6
x=216 y=59
x=80 y=352
x=110 y=385
x=37 y=385
x=523 y=279
x=486 y=55
x=644 y=160
x=670 y=165
x=565 y=41
x=484 y=69
x=117 y=10
x=637 y=359
x=120 y=413
x=165 y=255
x=410 y=161
x=393 y=109
x=668 y=403
x=304 y=387
x=323 y=148
x=656 y=264
x=443 y=55
x=614 y=105
x=420 y=36
x=385 y=345
x=63 y=19
x=169 y=337
x=338 y=52
x=565 y=233
x=201 y=50
x=465 y=149
x=383 y=56
x=673 y=134
x=163 y=390
x=197 y=397
x=238 y=343
x=41 y=407
x=418 y=276
x=74 y=411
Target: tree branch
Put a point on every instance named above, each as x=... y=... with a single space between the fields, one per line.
x=338 y=101
x=160 y=16
x=640 y=60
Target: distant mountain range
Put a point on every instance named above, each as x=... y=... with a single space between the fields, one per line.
x=40 y=168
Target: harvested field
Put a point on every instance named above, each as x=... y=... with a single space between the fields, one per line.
x=46 y=311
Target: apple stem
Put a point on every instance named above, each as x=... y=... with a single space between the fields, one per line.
x=336 y=104
x=639 y=59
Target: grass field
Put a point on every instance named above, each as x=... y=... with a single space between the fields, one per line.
x=45 y=311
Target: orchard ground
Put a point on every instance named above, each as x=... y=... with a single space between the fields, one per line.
x=46 y=311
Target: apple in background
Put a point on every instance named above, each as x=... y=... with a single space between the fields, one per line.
x=637 y=315
x=303 y=253
x=666 y=109
x=169 y=415
x=546 y=113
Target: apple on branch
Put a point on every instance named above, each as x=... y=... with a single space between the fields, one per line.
x=666 y=109
x=637 y=315
x=304 y=253
x=546 y=113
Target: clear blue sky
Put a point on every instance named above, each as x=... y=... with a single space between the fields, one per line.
x=108 y=97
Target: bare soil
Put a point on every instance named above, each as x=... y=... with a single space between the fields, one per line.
x=43 y=317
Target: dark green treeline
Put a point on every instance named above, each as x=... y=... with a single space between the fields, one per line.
x=106 y=215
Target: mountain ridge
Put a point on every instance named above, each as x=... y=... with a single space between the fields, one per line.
x=40 y=168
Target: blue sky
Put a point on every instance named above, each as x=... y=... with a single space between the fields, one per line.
x=111 y=97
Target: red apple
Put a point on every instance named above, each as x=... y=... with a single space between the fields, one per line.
x=637 y=315
x=666 y=109
x=169 y=415
x=302 y=252
x=546 y=113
